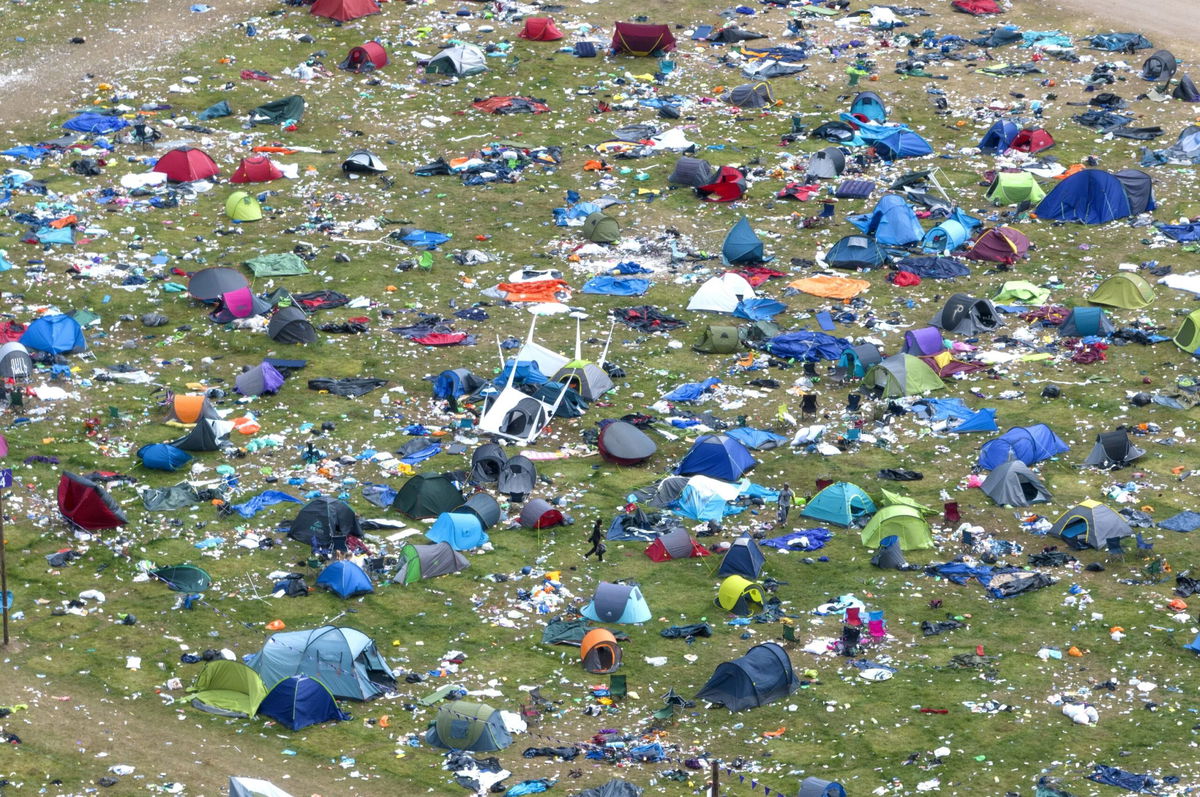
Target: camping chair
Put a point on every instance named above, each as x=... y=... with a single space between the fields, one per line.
x=616 y=686
x=876 y=625
x=852 y=616
x=853 y=402
x=823 y=483
x=850 y=637
x=1142 y=544
x=1114 y=549
x=950 y=512
x=530 y=713
x=808 y=404
x=789 y=633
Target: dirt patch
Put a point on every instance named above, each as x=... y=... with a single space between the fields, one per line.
x=34 y=86
x=1169 y=22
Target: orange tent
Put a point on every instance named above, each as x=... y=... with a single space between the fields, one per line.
x=189 y=409
x=599 y=651
x=830 y=287
x=536 y=291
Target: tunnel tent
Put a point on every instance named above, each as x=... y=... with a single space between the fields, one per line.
x=762 y=676
x=420 y=562
x=474 y=727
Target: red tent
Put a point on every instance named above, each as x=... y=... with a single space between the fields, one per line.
x=1032 y=140
x=729 y=186
x=540 y=29
x=999 y=245
x=675 y=544
x=368 y=56
x=256 y=169
x=976 y=8
x=185 y=164
x=630 y=38
x=87 y=504
x=345 y=10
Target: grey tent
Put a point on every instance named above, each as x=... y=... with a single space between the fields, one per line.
x=663 y=493
x=966 y=315
x=259 y=380
x=1012 y=483
x=487 y=462
x=419 y=562
x=889 y=555
x=362 y=161
x=482 y=506
x=540 y=514
x=617 y=603
x=588 y=379
x=476 y=727
x=211 y=284
x=1139 y=189
x=1160 y=66
x=614 y=788
x=204 y=436
x=253 y=787
x=344 y=659
x=601 y=229
x=1092 y=524
x=675 y=544
x=460 y=60
x=291 y=325
x=718 y=340
x=517 y=476
x=623 y=443
x=751 y=95
x=693 y=172
x=321 y=520
x=1113 y=450
x=827 y=164
x=15 y=362
x=813 y=786
x=758 y=678
x=771 y=67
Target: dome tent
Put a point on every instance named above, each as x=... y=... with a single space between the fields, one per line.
x=1012 y=483
x=241 y=207
x=718 y=456
x=744 y=558
x=751 y=95
x=427 y=495
x=1086 y=321
x=322 y=519
x=1188 y=336
x=228 y=688
x=600 y=228
x=540 y=29
x=1124 y=289
x=299 y=701
x=482 y=506
x=1032 y=140
x=631 y=38
x=902 y=375
x=998 y=137
x=476 y=727
x=1090 y=196
x=455 y=383
x=728 y=185
x=1090 y=523
x=462 y=530
x=344 y=10
x=462 y=60
x=419 y=562
x=255 y=169
x=856 y=251
x=841 y=503
x=999 y=245
x=183 y=578
x=362 y=161
x=345 y=579
x=185 y=165
x=756 y=679
x=675 y=544
x=870 y=105
x=344 y=659
x=898 y=520
x=599 y=651
x=617 y=603
x=1013 y=188
x=813 y=786
x=718 y=339
x=365 y=58
x=1113 y=450
x=741 y=596
x=721 y=294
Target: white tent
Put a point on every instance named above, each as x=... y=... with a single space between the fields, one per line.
x=253 y=787
x=721 y=294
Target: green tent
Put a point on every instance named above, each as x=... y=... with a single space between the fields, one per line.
x=183 y=578
x=461 y=60
x=718 y=340
x=895 y=499
x=468 y=726
x=601 y=229
x=229 y=688
x=277 y=112
x=900 y=521
x=902 y=375
x=242 y=207
x=1013 y=188
x=1124 y=290
x=427 y=495
x=1021 y=292
x=1188 y=336
x=284 y=264
x=419 y=562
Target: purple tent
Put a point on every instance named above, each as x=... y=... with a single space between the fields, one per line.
x=927 y=340
x=259 y=380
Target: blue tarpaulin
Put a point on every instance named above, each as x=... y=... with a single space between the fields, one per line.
x=95 y=123
x=26 y=152
x=1131 y=781
x=758 y=439
x=425 y=239
x=616 y=286
x=690 y=391
x=800 y=540
x=1184 y=521
x=758 y=309
x=808 y=346
x=263 y=500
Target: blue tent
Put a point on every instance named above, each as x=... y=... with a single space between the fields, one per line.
x=741 y=245
x=870 y=105
x=528 y=373
x=463 y=530
x=1030 y=444
x=344 y=659
x=951 y=233
x=718 y=456
x=95 y=123
x=1086 y=322
x=891 y=223
x=163 y=456
x=982 y=421
x=605 y=285
x=808 y=346
x=697 y=504
x=998 y=137
x=840 y=503
x=299 y=701
x=756 y=438
x=744 y=558
x=758 y=309
x=901 y=143
x=56 y=334
x=856 y=251
x=345 y=579
x=1091 y=196
x=56 y=235
x=455 y=382
x=930 y=267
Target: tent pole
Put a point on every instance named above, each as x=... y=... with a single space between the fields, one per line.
x=3 y=571
x=604 y=354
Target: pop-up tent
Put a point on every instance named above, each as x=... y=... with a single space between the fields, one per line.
x=163 y=456
x=741 y=596
x=600 y=652
x=462 y=60
x=718 y=456
x=241 y=207
x=462 y=530
x=15 y=362
x=622 y=443
x=965 y=315
x=263 y=379
x=841 y=503
x=1188 y=336
x=344 y=10
x=517 y=476
x=427 y=495
x=291 y=325
x=228 y=688
x=1124 y=289
x=540 y=514
x=758 y=678
x=486 y=463
x=55 y=334
x=87 y=505
x=1113 y=450
x=899 y=520
x=924 y=341
x=827 y=163
x=951 y=233
x=299 y=701
x=1029 y=444
x=365 y=58
x=869 y=105
x=617 y=603
x=751 y=95
x=1090 y=524
x=419 y=562
x=345 y=579
x=362 y=161
x=344 y=659
x=744 y=558
x=675 y=544
x=1160 y=66
x=692 y=172
x=856 y=360
x=475 y=727
x=185 y=165
x=1012 y=483
x=630 y=38
x=1032 y=140
x=902 y=375
x=210 y=284
x=998 y=137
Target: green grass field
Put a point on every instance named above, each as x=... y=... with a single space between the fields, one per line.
x=87 y=711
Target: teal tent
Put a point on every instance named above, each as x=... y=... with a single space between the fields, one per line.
x=741 y=244
x=841 y=503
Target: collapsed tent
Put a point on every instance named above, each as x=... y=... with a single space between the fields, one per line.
x=163 y=456
x=965 y=315
x=1029 y=444
x=419 y=562
x=261 y=380
x=54 y=334
x=630 y=38
x=87 y=505
x=254 y=787
x=344 y=659
x=617 y=603
x=760 y=677
x=1012 y=483
x=729 y=185
x=841 y=503
x=461 y=725
x=718 y=340
x=1090 y=524
x=599 y=651
x=284 y=111
x=892 y=222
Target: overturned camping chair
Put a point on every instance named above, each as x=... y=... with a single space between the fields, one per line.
x=1113 y=450
x=514 y=415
